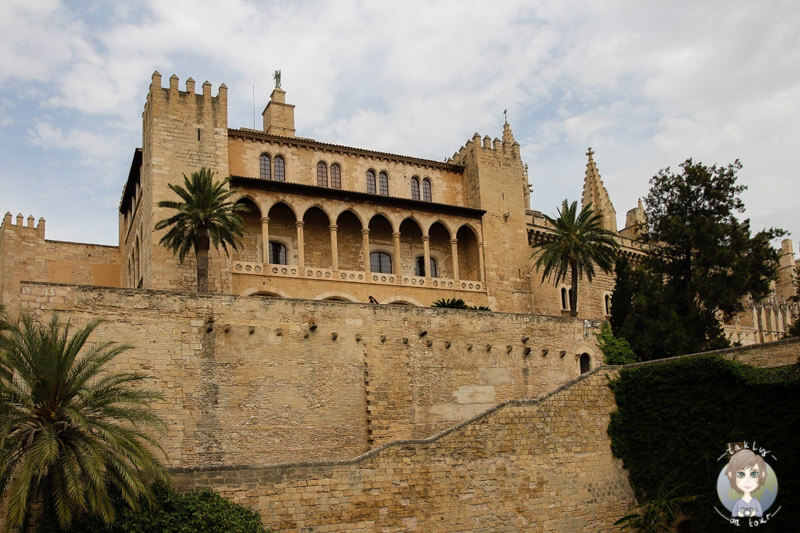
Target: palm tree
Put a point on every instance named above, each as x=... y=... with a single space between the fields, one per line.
x=204 y=216
x=578 y=243
x=69 y=429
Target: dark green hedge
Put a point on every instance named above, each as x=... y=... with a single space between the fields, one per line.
x=193 y=512
x=675 y=419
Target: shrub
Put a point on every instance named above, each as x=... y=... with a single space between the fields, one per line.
x=616 y=350
x=450 y=303
x=194 y=512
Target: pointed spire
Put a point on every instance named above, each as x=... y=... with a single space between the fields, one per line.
x=508 y=137
x=594 y=192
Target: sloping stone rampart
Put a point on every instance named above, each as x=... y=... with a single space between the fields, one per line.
x=524 y=465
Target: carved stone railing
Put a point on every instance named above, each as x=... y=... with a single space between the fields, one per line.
x=354 y=276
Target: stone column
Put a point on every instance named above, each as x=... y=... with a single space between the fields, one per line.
x=365 y=246
x=334 y=247
x=426 y=246
x=454 y=253
x=481 y=263
x=265 y=240
x=396 y=260
x=301 y=258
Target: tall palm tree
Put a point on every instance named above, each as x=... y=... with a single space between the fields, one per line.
x=577 y=244
x=204 y=216
x=69 y=428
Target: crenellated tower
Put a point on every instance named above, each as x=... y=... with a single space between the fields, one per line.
x=495 y=179
x=182 y=132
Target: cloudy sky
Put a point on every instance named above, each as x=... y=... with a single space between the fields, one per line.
x=645 y=84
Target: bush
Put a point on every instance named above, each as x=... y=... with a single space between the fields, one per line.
x=193 y=512
x=674 y=421
x=616 y=350
x=450 y=303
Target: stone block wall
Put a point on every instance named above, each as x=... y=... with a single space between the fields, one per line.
x=261 y=381
x=26 y=254
x=524 y=465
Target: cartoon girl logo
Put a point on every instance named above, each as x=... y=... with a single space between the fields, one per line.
x=746 y=473
x=747 y=485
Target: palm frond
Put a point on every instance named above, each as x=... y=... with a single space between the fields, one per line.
x=69 y=427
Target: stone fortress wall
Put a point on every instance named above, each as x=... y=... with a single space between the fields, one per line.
x=249 y=380
x=522 y=465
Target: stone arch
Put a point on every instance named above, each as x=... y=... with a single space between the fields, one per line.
x=439 y=244
x=381 y=240
x=260 y=291
x=317 y=238
x=283 y=229
x=320 y=206
x=351 y=253
x=468 y=254
x=444 y=224
x=411 y=245
x=336 y=297
x=402 y=300
x=585 y=362
x=251 y=246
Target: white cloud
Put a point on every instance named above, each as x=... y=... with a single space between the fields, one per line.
x=645 y=84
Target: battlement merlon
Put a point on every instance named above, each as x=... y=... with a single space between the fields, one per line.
x=507 y=147
x=173 y=99
x=8 y=225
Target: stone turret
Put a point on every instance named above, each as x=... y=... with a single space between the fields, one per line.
x=785 y=287
x=278 y=115
x=495 y=179
x=595 y=192
x=635 y=222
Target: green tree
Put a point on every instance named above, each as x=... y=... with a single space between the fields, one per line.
x=577 y=244
x=70 y=429
x=205 y=215
x=643 y=311
x=703 y=261
x=616 y=350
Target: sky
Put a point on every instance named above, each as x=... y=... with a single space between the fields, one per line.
x=646 y=85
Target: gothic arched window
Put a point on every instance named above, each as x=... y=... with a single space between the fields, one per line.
x=383 y=184
x=415 y=188
x=322 y=174
x=336 y=176
x=280 y=169
x=426 y=190
x=371 y=182
x=264 y=166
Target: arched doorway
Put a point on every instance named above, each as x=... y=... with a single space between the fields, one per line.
x=586 y=363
